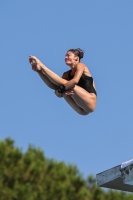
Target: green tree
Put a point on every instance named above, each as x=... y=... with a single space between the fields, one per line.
x=31 y=176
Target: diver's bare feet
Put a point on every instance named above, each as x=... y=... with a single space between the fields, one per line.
x=35 y=63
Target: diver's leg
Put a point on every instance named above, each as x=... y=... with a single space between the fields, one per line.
x=47 y=81
x=84 y=99
x=73 y=104
x=53 y=77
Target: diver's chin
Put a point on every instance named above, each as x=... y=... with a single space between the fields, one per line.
x=68 y=63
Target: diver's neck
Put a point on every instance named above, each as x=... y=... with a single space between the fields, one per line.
x=73 y=67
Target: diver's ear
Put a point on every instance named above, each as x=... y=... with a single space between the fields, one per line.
x=76 y=58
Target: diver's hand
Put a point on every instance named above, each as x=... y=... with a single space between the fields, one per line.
x=69 y=92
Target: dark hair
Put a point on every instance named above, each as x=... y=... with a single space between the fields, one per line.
x=77 y=52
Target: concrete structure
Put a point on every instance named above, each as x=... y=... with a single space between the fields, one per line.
x=119 y=177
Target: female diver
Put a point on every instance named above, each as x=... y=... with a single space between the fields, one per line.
x=76 y=85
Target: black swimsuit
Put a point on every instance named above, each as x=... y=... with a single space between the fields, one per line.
x=85 y=82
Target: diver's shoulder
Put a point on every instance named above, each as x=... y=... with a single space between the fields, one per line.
x=81 y=64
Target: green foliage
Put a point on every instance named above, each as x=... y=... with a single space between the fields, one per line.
x=31 y=176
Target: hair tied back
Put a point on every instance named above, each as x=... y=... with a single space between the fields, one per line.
x=81 y=53
x=80 y=50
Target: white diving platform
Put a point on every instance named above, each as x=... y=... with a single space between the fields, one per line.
x=118 y=178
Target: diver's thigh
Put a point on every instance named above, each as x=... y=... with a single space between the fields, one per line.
x=84 y=99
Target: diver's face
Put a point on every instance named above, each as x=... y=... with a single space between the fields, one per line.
x=69 y=58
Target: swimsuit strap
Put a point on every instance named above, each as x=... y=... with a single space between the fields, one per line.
x=69 y=75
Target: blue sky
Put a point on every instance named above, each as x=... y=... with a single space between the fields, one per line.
x=30 y=113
